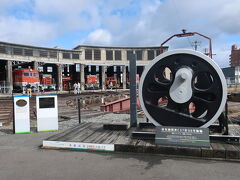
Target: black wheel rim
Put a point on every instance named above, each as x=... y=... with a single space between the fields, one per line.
x=206 y=86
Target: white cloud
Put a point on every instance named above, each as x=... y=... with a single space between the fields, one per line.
x=157 y=21
x=99 y=37
x=128 y=22
x=71 y=14
x=227 y=17
x=45 y=21
x=25 y=31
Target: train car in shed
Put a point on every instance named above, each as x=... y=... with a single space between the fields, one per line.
x=22 y=77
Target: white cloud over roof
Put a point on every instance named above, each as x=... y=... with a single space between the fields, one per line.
x=122 y=23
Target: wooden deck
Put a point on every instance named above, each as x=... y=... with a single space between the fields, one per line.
x=92 y=136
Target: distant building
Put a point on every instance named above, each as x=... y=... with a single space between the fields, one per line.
x=235 y=56
x=232 y=75
x=67 y=66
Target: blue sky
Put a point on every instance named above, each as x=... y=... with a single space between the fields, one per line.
x=68 y=23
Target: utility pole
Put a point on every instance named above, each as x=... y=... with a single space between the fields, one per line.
x=195 y=44
x=206 y=51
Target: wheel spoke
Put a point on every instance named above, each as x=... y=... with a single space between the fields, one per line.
x=157 y=76
x=199 y=110
x=202 y=101
x=157 y=86
x=158 y=93
x=208 y=95
x=171 y=117
x=211 y=90
x=184 y=108
x=154 y=97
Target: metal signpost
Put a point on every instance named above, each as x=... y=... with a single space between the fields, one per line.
x=133 y=93
x=79 y=111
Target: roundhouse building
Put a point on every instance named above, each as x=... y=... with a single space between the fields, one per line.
x=69 y=66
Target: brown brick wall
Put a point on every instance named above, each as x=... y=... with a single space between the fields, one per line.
x=235 y=56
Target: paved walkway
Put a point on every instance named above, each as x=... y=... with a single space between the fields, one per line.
x=21 y=158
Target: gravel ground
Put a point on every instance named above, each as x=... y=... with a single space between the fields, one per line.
x=106 y=118
x=63 y=125
x=110 y=118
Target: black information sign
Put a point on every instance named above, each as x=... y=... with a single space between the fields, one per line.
x=182 y=136
x=46 y=102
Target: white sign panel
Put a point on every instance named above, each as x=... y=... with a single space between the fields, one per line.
x=47 y=113
x=49 y=69
x=40 y=69
x=21 y=114
x=79 y=145
x=77 y=67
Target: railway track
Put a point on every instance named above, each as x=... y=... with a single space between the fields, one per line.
x=6 y=112
x=67 y=104
x=68 y=108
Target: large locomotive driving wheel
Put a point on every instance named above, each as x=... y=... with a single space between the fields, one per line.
x=182 y=88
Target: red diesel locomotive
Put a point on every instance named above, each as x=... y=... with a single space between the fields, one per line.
x=22 y=77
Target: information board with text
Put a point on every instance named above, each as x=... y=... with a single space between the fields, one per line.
x=47 y=113
x=182 y=136
x=21 y=114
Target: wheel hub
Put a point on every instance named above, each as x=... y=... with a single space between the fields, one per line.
x=181 y=90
